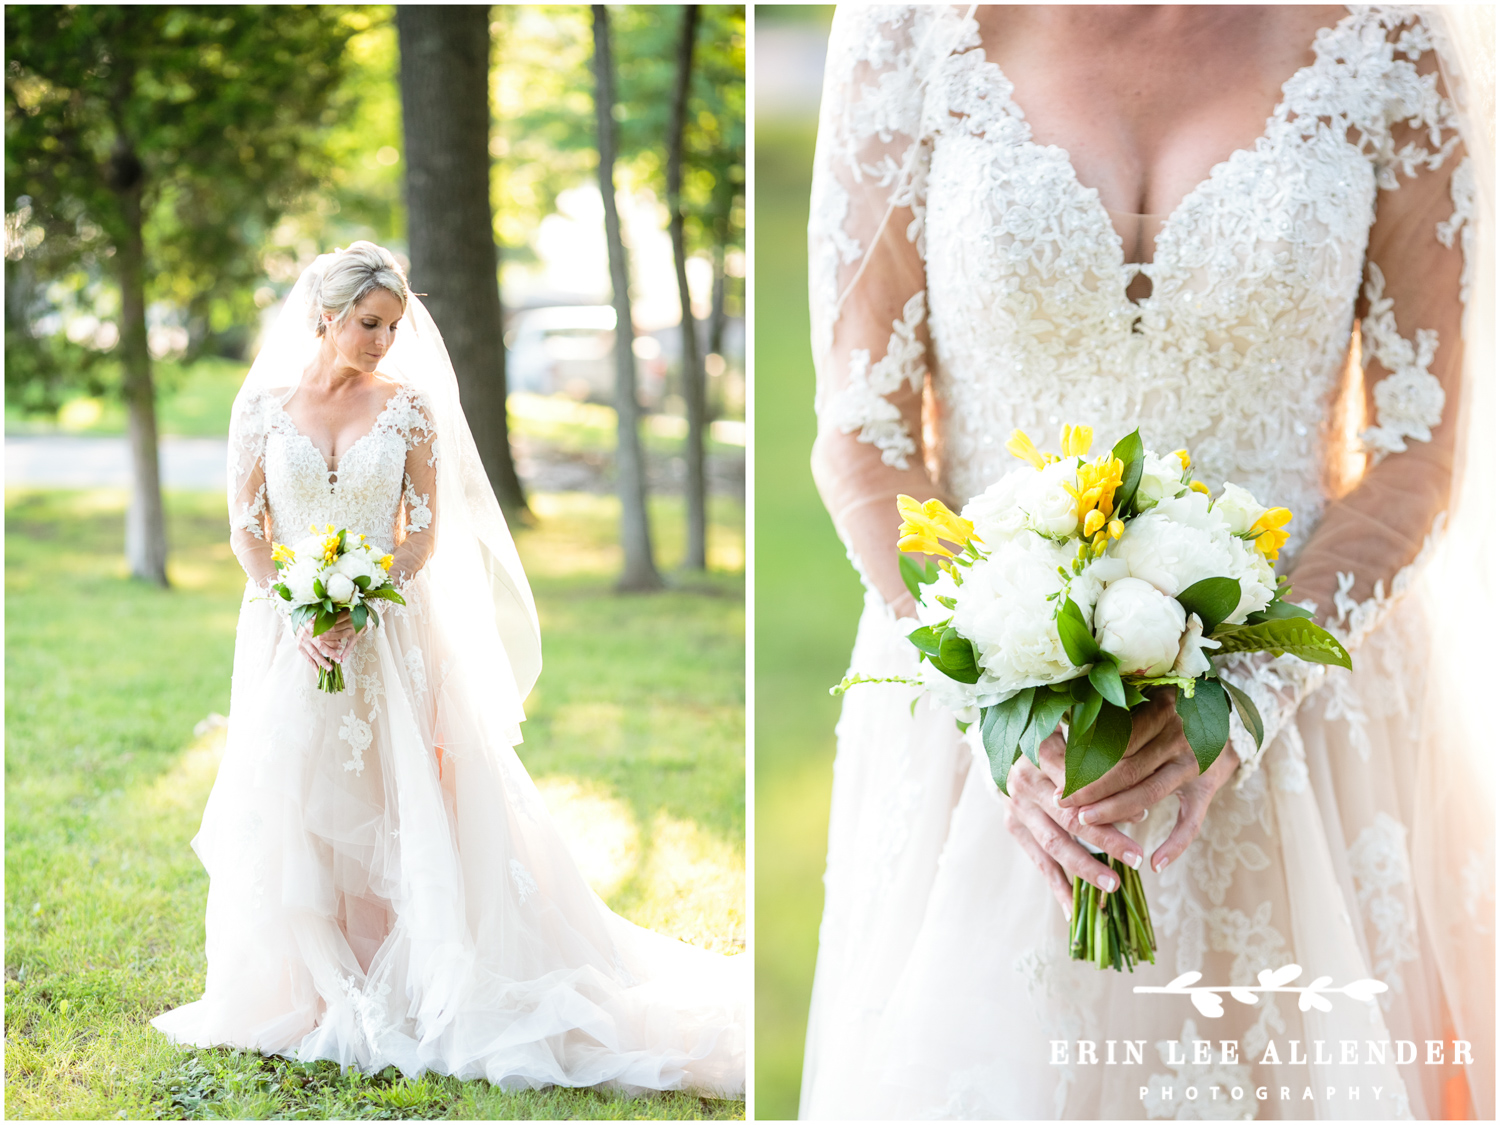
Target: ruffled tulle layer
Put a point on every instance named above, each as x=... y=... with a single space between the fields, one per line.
x=387 y=889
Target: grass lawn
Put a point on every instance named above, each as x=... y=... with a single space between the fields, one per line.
x=807 y=604
x=635 y=737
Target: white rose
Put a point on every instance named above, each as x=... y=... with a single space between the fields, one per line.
x=340 y=588
x=1238 y=508
x=1139 y=626
x=1161 y=479
x=1051 y=509
x=996 y=513
x=1192 y=660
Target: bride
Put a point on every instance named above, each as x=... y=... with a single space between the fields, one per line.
x=386 y=887
x=1250 y=232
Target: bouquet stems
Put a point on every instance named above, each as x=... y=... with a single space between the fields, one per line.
x=1112 y=930
x=331 y=680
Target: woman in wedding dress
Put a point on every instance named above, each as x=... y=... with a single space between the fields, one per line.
x=1252 y=233
x=386 y=887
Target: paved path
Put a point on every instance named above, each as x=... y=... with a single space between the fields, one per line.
x=65 y=461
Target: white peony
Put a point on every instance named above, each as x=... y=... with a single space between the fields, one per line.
x=1050 y=508
x=1182 y=541
x=1139 y=626
x=340 y=588
x=1192 y=660
x=308 y=547
x=299 y=579
x=1238 y=508
x=1161 y=479
x=356 y=564
x=1002 y=607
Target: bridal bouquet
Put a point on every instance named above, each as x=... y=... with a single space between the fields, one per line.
x=1067 y=592
x=326 y=574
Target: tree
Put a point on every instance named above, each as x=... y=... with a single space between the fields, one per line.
x=450 y=228
x=155 y=146
x=635 y=527
x=692 y=370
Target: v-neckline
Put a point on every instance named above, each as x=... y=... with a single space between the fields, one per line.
x=333 y=473
x=1014 y=109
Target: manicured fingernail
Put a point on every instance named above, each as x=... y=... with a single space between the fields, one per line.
x=1133 y=861
x=1068 y=914
x=1107 y=882
x=1086 y=816
x=1144 y=814
x=1161 y=864
x=1056 y=801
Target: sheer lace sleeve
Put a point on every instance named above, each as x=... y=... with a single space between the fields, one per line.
x=418 y=515
x=868 y=282
x=1361 y=557
x=249 y=516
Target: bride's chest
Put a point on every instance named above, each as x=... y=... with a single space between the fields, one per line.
x=363 y=493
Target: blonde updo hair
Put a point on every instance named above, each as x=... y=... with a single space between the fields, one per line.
x=348 y=277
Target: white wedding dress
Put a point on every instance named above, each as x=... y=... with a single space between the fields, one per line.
x=386 y=887
x=965 y=283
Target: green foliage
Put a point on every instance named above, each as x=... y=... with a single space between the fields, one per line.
x=105 y=784
x=915 y=576
x=1205 y=720
x=1295 y=635
x=1077 y=640
x=1249 y=713
x=1000 y=730
x=1212 y=599
x=1132 y=453
x=216 y=116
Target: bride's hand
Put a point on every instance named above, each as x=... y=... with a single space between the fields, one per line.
x=1158 y=762
x=1045 y=830
x=330 y=647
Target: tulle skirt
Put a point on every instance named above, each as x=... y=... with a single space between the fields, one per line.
x=1362 y=848
x=386 y=888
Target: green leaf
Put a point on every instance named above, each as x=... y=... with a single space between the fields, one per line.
x=1074 y=633
x=1249 y=713
x=1105 y=676
x=1181 y=683
x=1295 y=635
x=1212 y=599
x=927 y=639
x=1205 y=720
x=375 y=617
x=318 y=588
x=281 y=588
x=1000 y=728
x=1132 y=453
x=323 y=622
x=387 y=594
x=1278 y=610
x=1134 y=697
x=363 y=581
x=1098 y=750
x=358 y=615
x=342 y=533
x=915 y=576
x=956 y=657
x=1047 y=710
x=302 y=615
x=1085 y=713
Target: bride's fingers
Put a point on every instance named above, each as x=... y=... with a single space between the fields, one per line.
x=1031 y=796
x=1057 y=881
x=1053 y=753
x=1037 y=790
x=1147 y=722
x=1194 y=799
x=1129 y=804
x=1125 y=775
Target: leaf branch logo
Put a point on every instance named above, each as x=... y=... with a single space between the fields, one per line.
x=1207 y=1000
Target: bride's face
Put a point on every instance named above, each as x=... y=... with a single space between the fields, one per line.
x=367 y=333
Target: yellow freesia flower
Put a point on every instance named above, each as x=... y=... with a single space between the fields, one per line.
x=1271 y=537
x=1199 y=486
x=1096 y=486
x=1116 y=529
x=1182 y=455
x=1076 y=440
x=1021 y=446
x=1092 y=522
x=923 y=525
x=386 y=561
x=281 y=553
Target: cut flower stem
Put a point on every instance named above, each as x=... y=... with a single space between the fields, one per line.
x=1112 y=930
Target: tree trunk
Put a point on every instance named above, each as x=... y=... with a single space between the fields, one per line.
x=717 y=317
x=445 y=106
x=145 y=520
x=630 y=467
x=692 y=368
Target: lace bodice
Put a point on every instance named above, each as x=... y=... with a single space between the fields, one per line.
x=382 y=487
x=1239 y=351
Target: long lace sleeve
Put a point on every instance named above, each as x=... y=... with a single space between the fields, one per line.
x=249 y=515
x=1361 y=557
x=418 y=515
x=867 y=281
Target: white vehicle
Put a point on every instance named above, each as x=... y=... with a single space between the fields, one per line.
x=569 y=350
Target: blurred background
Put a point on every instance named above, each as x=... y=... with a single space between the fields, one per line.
x=807 y=596
x=169 y=173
